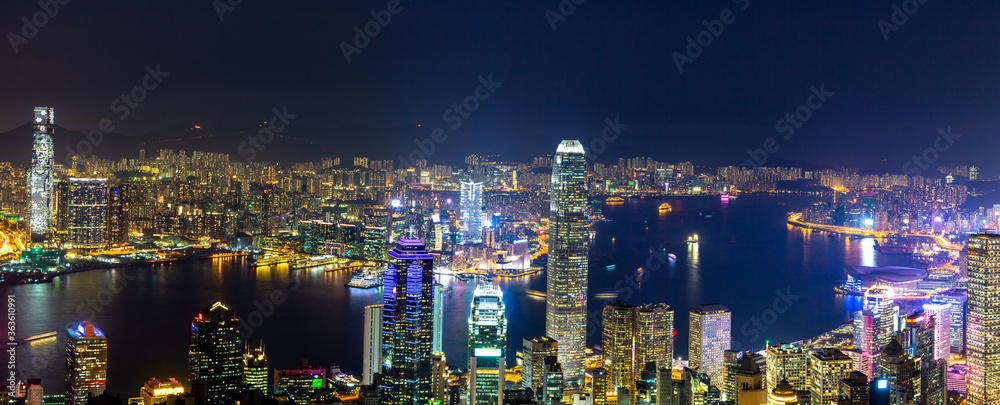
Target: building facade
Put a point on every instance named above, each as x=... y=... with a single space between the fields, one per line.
x=983 y=320
x=216 y=354
x=710 y=329
x=86 y=363
x=487 y=346
x=41 y=201
x=407 y=324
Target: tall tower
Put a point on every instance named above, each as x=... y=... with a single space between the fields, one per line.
x=216 y=354
x=941 y=313
x=710 y=328
x=438 y=318
x=654 y=335
x=487 y=346
x=372 y=345
x=983 y=321
x=41 y=203
x=566 y=303
x=535 y=351
x=407 y=324
x=471 y=203
x=826 y=368
x=619 y=345
x=255 y=369
x=878 y=301
x=86 y=363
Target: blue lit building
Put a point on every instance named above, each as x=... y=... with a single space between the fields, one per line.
x=86 y=363
x=407 y=324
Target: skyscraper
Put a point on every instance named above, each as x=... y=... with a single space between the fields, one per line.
x=256 y=370
x=88 y=212
x=471 y=203
x=371 y=362
x=408 y=324
x=983 y=321
x=878 y=301
x=533 y=365
x=566 y=302
x=654 y=335
x=710 y=336
x=41 y=204
x=826 y=368
x=787 y=363
x=216 y=355
x=86 y=363
x=487 y=346
x=438 y=318
x=618 y=344
x=941 y=313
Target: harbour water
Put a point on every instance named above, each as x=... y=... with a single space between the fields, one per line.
x=776 y=279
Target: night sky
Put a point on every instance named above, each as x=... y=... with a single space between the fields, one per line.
x=606 y=59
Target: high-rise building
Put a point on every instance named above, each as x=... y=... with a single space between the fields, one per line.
x=710 y=328
x=216 y=356
x=471 y=203
x=86 y=363
x=33 y=392
x=158 y=392
x=826 y=368
x=748 y=381
x=896 y=366
x=878 y=301
x=439 y=377
x=487 y=345
x=786 y=362
x=88 y=212
x=619 y=345
x=117 y=216
x=854 y=388
x=256 y=370
x=983 y=320
x=534 y=353
x=941 y=314
x=782 y=394
x=408 y=324
x=298 y=384
x=654 y=335
x=438 y=318
x=566 y=302
x=371 y=362
x=41 y=204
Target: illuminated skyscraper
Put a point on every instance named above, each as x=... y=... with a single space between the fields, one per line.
x=533 y=365
x=983 y=321
x=878 y=301
x=157 y=392
x=371 y=363
x=216 y=355
x=408 y=324
x=86 y=363
x=88 y=212
x=255 y=369
x=654 y=335
x=41 y=204
x=941 y=312
x=117 y=216
x=619 y=345
x=566 y=302
x=710 y=329
x=787 y=363
x=471 y=203
x=487 y=346
x=826 y=368
x=438 y=318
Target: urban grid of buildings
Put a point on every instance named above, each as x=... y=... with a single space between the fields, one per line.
x=402 y=228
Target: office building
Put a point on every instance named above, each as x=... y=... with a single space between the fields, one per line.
x=654 y=335
x=371 y=349
x=86 y=363
x=33 y=393
x=566 y=301
x=408 y=324
x=158 y=392
x=854 y=389
x=878 y=301
x=619 y=345
x=216 y=356
x=439 y=377
x=117 y=232
x=41 y=202
x=941 y=314
x=472 y=205
x=786 y=362
x=983 y=320
x=256 y=370
x=88 y=212
x=438 y=318
x=299 y=384
x=534 y=353
x=782 y=394
x=710 y=329
x=487 y=345
x=902 y=372
x=826 y=368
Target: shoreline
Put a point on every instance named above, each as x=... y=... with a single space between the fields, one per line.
x=46 y=278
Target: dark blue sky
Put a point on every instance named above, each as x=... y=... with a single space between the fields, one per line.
x=607 y=59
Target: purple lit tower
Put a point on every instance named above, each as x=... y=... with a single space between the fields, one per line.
x=407 y=324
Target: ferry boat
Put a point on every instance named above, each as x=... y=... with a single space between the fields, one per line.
x=693 y=239
x=607 y=295
x=611 y=267
x=725 y=197
x=666 y=207
x=365 y=280
x=672 y=256
x=614 y=200
x=314 y=261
